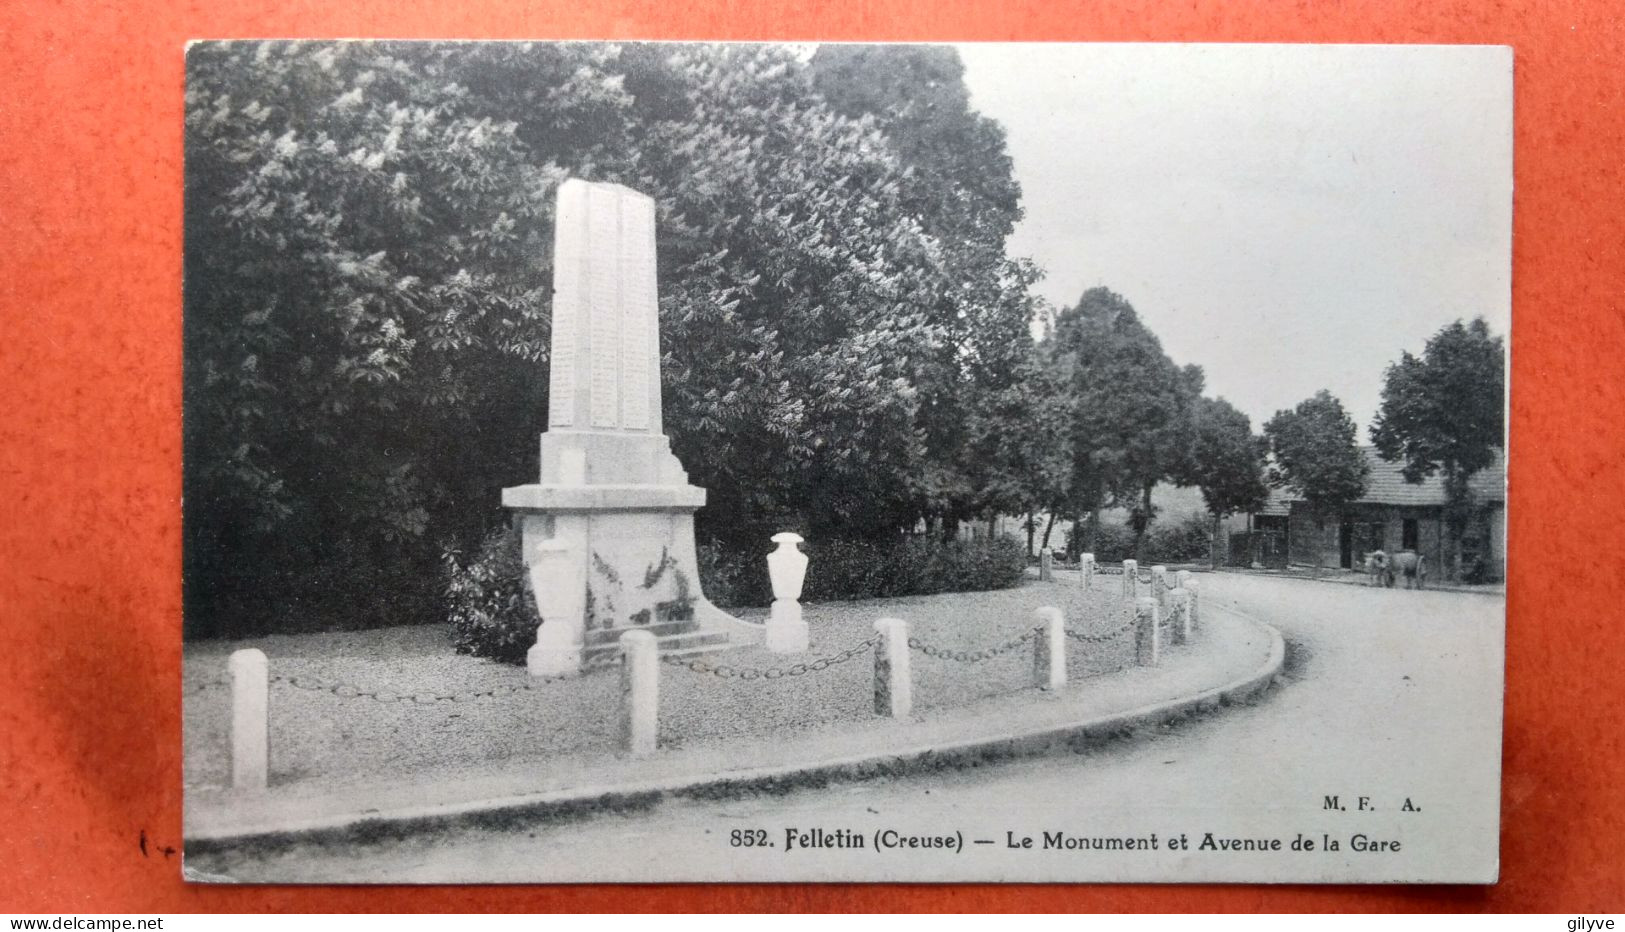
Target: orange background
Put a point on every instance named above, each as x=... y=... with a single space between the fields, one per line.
x=90 y=274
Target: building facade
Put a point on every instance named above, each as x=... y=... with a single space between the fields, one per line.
x=1393 y=515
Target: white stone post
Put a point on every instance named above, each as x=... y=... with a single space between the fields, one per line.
x=250 y=719
x=1194 y=589
x=1147 y=632
x=1159 y=584
x=894 y=694
x=1181 y=579
x=1131 y=579
x=1179 y=608
x=640 y=692
x=1086 y=570
x=1046 y=566
x=787 y=568
x=1049 y=650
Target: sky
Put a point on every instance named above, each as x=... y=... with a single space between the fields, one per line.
x=1290 y=218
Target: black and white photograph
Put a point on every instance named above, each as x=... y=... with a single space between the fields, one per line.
x=646 y=462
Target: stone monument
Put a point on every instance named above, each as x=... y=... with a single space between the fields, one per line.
x=607 y=535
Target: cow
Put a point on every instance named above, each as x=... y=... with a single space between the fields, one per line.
x=1379 y=570
x=1411 y=565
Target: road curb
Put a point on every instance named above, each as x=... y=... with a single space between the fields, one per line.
x=550 y=805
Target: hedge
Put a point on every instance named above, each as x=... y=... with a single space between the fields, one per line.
x=844 y=570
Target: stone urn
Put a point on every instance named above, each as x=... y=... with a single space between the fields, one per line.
x=787 y=566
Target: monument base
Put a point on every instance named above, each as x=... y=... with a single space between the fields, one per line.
x=607 y=559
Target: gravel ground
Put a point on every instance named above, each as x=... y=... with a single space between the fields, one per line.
x=316 y=735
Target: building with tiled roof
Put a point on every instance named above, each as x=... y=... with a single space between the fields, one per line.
x=1393 y=515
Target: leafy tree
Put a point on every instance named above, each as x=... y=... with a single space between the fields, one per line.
x=362 y=316
x=796 y=311
x=1315 y=454
x=1020 y=451
x=1132 y=423
x=1444 y=413
x=959 y=184
x=1226 y=462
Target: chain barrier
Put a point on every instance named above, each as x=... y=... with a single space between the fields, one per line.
x=1100 y=638
x=314 y=684
x=750 y=674
x=205 y=685
x=974 y=656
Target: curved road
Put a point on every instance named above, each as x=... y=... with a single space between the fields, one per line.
x=1390 y=695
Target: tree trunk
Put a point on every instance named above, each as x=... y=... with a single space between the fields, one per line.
x=1048 y=526
x=1143 y=524
x=1213 y=543
x=1457 y=511
x=1320 y=543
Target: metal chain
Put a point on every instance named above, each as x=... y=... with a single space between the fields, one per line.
x=1101 y=638
x=390 y=697
x=749 y=674
x=974 y=656
x=206 y=685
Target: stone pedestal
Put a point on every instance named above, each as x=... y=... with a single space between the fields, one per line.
x=786 y=632
x=1086 y=570
x=607 y=535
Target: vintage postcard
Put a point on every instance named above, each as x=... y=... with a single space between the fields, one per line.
x=644 y=462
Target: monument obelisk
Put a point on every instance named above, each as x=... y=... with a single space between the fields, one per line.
x=607 y=535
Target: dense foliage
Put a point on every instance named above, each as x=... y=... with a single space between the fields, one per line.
x=488 y=600
x=1131 y=409
x=1188 y=540
x=368 y=283
x=1227 y=463
x=981 y=395
x=1316 y=454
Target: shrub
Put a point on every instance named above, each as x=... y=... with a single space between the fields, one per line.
x=1114 y=543
x=489 y=602
x=856 y=569
x=733 y=576
x=1189 y=540
x=1184 y=541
